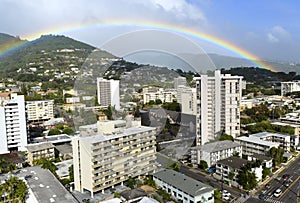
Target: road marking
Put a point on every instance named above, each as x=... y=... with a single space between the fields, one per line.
x=288 y=187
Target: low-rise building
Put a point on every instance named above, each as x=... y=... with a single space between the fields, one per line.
x=40 y=150
x=70 y=100
x=284 y=140
x=183 y=188
x=296 y=127
x=254 y=145
x=215 y=151
x=267 y=161
x=290 y=86
x=233 y=165
x=291 y=118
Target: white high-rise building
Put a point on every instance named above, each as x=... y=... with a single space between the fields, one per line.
x=187 y=97
x=13 y=131
x=180 y=81
x=107 y=153
x=108 y=92
x=41 y=110
x=218 y=106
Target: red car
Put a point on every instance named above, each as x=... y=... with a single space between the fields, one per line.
x=285 y=176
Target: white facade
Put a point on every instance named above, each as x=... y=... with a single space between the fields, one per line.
x=218 y=106
x=213 y=152
x=292 y=86
x=39 y=110
x=108 y=92
x=163 y=95
x=254 y=145
x=72 y=100
x=183 y=188
x=187 y=97
x=180 y=81
x=233 y=165
x=13 y=131
x=106 y=154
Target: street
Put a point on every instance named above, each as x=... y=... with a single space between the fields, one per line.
x=289 y=194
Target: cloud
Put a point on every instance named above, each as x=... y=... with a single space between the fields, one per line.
x=272 y=38
x=278 y=34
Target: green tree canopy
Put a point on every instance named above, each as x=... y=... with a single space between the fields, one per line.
x=13 y=190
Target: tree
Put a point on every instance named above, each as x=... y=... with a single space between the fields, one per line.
x=149 y=181
x=246 y=179
x=13 y=190
x=71 y=173
x=175 y=167
x=131 y=182
x=277 y=155
x=217 y=194
x=231 y=175
x=3 y=165
x=54 y=132
x=158 y=101
x=68 y=131
x=203 y=164
x=266 y=172
x=226 y=137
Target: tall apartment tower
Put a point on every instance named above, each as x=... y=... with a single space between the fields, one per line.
x=107 y=153
x=108 y=92
x=180 y=81
x=218 y=106
x=187 y=97
x=13 y=131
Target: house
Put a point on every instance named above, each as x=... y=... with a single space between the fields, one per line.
x=183 y=188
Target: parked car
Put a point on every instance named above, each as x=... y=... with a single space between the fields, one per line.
x=226 y=195
x=268 y=186
x=262 y=196
x=277 y=193
x=287 y=182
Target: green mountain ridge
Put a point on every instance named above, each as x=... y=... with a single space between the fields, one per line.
x=45 y=53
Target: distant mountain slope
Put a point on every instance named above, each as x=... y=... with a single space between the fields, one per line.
x=205 y=62
x=4 y=38
x=231 y=62
x=45 y=53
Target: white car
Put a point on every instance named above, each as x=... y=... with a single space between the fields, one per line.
x=225 y=195
x=277 y=193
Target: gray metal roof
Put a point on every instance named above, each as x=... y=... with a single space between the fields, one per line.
x=183 y=182
x=233 y=162
x=217 y=146
x=39 y=146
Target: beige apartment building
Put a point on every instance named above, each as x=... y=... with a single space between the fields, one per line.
x=39 y=110
x=107 y=153
x=40 y=150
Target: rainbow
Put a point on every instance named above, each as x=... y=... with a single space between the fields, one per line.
x=151 y=25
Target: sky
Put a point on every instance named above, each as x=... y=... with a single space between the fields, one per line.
x=268 y=29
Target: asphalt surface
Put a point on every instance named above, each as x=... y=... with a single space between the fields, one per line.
x=207 y=179
x=289 y=194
